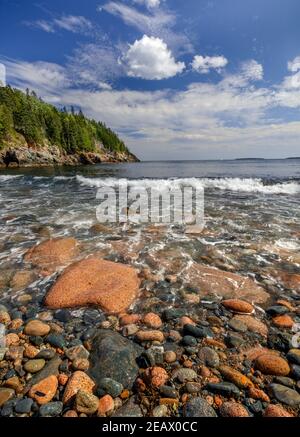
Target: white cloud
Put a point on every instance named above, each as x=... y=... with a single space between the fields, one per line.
x=294 y=65
x=252 y=70
x=203 y=64
x=149 y=3
x=292 y=82
x=70 y=23
x=73 y=23
x=150 y=58
x=157 y=22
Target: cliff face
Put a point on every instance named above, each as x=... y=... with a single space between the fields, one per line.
x=48 y=155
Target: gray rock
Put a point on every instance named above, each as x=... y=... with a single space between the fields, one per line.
x=234 y=340
x=237 y=325
x=130 y=409
x=209 y=357
x=23 y=406
x=189 y=340
x=295 y=370
x=223 y=388
x=193 y=387
x=277 y=310
x=109 y=386
x=285 y=395
x=46 y=354
x=198 y=407
x=56 y=340
x=51 y=409
x=198 y=331
x=168 y=392
x=113 y=356
x=284 y=380
x=160 y=411
x=184 y=375
x=294 y=356
x=77 y=352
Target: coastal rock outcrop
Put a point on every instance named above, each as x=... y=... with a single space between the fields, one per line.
x=92 y=281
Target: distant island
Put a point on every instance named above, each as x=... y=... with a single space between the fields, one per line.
x=250 y=159
x=293 y=157
x=35 y=133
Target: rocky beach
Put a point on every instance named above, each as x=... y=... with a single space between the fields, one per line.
x=122 y=320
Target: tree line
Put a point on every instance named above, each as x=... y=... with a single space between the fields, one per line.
x=38 y=122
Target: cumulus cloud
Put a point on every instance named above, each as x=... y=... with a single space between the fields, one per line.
x=252 y=70
x=150 y=58
x=203 y=64
x=294 y=65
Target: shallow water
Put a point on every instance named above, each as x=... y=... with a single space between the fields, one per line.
x=252 y=213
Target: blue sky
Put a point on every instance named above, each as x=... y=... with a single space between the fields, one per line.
x=177 y=79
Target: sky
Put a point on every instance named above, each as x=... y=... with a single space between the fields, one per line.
x=176 y=79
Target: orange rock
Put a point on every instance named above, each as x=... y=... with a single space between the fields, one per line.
x=70 y=413
x=256 y=393
x=4 y=318
x=37 y=328
x=51 y=254
x=233 y=409
x=272 y=365
x=62 y=379
x=125 y=394
x=22 y=279
x=152 y=321
x=168 y=401
x=235 y=377
x=30 y=351
x=205 y=372
x=284 y=321
x=170 y=356
x=156 y=376
x=110 y=285
x=106 y=405
x=44 y=391
x=254 y=352
x=253 y=324
x=150 y=336
x=238 y=306
x=276 y=411
x=216 y=343
x=218 y=401
x=12 y=340
x=286 y=304
x=129 y=319
x=78 y=381
x=186 y=321
x=16 y=324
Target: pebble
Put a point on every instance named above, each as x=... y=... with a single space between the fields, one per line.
x=168 y=392
x=52 y=409
x=208 y=357
x=110 y=386
x=234 y=340
x=188 y=340
x=197 y=331
x=285 y=395
x=233 y=409
x=46 y=354
x=293 y=356
x=86 y=402
x=23 y=406
x=284 y=321
x=36 y=328
x=5 y=395
x=78 y=381
x=63 y=316
x=30 y=351
x=77 y=352
x=256 y=393
x=235 y=377
x=184 y=375
x=284 y=380
x=106 y=405
x=253 y=325
x=170 y=357
x=150 y=336
x=295 y=371
x=192 y=387
x=5 y=318
x=160 y=411
x=80 y=364
x=70 y=413
x=199 y=407
x=276 y=411
x=186 y=321
x=238 y=306
x=129 y=319
x=34 y=366
x=223 y=388
x=277 y=310
x=237 y=325
x=129 y=330
x=152 y=320
x=56 y=340
x=12 y=340
x=272 y=365
x=45 y=390
x=156 y=376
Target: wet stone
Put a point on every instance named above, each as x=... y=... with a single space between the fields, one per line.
x=34 y=366
x=56 y=340
x=209 y=357
x=184 y=375
x=295 y=371
x=284 y=380
x=223 y=388
x=285 y=395
x=63 y=316
x=192 y=387
x=109 y=386
x=52 y=409
x=234 y=340
x=188 y=340
x=168 y=392
x=198 y=331
x=173 y=313
x=293 y=356
x=237 y=325
x=23 y=406
x=46 y=354
x=198 y=407
x=277 y=310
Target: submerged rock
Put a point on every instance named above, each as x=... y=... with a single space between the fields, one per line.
x=112 y=286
